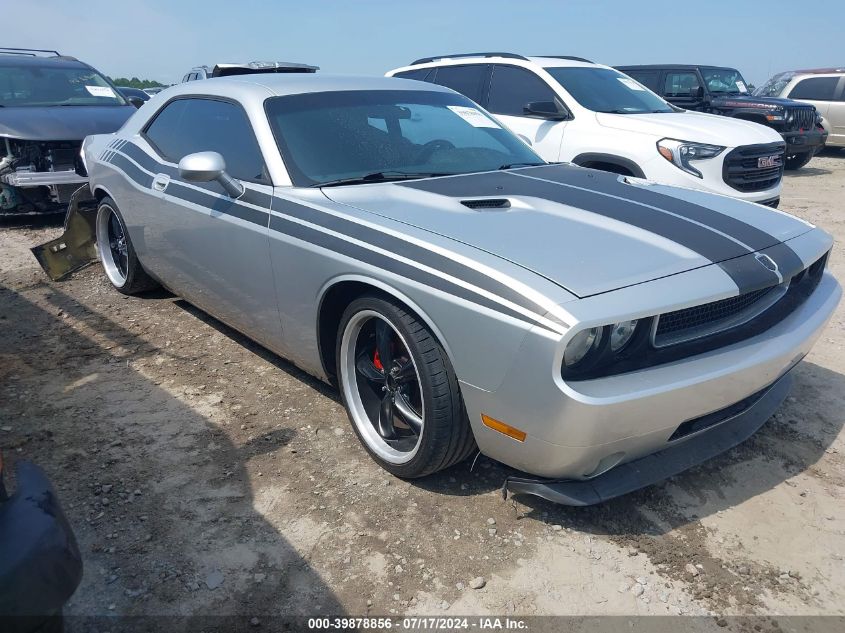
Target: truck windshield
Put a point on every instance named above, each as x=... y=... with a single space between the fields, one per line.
x=724 y=81
x=358 y=136
x=53 y=85
x=606 y=90
x=774 y=86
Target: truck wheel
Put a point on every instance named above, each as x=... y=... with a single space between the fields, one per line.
x=797 y=161
x=400 y=390
x=120 y=263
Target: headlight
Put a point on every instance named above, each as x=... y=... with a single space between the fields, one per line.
x=594 y=348
x=621 y=333
x=682 y=153
x=581 y=345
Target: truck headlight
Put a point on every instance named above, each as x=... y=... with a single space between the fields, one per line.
x=683 y=153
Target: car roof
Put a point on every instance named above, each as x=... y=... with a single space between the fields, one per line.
x=27 y=60
x=816 y=71
x=673 y=67
x=280 y=84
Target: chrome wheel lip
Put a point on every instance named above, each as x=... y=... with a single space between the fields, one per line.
x=349 y=383
x=104 y=238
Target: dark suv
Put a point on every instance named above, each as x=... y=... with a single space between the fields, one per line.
x=723 y=91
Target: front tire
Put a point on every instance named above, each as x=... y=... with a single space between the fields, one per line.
x=797 y=161
x=120 y=262
x=400 y=390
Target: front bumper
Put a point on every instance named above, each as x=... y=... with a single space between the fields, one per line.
x=579 y=430
x=42 y=178
x=799 y=142
x=722 y=436
x=40 y=564
x=712 y=181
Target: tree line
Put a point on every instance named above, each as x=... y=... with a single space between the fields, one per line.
x=136 y=83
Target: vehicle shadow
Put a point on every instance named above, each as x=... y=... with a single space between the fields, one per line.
x=35 y=221
x=157 y=491
x=790 y=443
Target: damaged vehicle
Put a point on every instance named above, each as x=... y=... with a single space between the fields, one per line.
x=598 y=331
x=48 y=104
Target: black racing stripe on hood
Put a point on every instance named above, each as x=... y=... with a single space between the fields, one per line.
x=613 y=185
x=710 y=244
x=359 y=253
x=392 y=244
x=713 y=246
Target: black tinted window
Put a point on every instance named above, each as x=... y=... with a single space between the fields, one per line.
x=186 y=126
x=680 y=84
x=815 y=89
x=421 y=74
x=512 y=87
x=649 y=78
x=464 y=79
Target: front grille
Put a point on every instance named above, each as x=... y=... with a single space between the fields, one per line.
x=720 y=316
x=800 y=118
x=698 y=321
x=741 y=169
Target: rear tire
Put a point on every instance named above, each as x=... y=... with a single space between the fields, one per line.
x=435 y=432
x=797 y=161
x=120 y=263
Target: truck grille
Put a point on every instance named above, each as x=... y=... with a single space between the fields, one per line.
x=800 y=118
x=742 y=171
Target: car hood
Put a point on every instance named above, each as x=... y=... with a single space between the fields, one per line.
x=697 y=127
x=587 y=231
x=768 y=103
x=61 y=123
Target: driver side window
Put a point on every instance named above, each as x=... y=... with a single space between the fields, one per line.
x=186 y=126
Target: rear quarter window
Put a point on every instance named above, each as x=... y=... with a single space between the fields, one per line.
x=815 y=89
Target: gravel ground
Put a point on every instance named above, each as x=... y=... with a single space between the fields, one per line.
x=203 y=475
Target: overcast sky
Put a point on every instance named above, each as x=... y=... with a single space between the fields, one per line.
x=158 y=39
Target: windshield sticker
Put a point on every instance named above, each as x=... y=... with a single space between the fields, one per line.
x=100 y=91
x=741 y=86
x=630 y=83
x=474 y=117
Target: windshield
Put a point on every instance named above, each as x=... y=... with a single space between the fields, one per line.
x=52 y=85
x=372 y=135
x=724 y=81
x=774 y=87
x=606 y=90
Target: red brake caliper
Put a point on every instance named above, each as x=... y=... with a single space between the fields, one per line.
x=377 y=362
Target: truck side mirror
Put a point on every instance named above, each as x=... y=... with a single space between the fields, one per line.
x=544 y=110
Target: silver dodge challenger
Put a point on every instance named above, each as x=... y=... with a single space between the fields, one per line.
x=595 y=332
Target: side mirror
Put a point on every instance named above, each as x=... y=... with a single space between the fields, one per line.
x=135 y=101
x=697 y=92
x=208 y=166
x=544 y=110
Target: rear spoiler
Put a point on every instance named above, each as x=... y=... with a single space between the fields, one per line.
x=229 y=70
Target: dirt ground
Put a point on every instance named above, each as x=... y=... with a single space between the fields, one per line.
x=203 y=475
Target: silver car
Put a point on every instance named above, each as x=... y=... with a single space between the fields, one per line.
x=599 y=332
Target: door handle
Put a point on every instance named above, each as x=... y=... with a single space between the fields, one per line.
x=160 y=182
